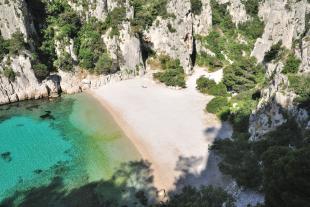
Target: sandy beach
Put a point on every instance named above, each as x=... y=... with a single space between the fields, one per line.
x=168 y=126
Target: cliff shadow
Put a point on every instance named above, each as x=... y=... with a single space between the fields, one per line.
x=130 y=185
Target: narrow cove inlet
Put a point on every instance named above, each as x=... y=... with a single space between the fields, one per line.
x=72 y=138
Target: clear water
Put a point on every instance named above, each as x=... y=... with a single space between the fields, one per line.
x=72 y=137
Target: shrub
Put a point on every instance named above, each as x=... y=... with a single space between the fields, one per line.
x=114 y=19
x=205 y=85
x=301 y=86
x=251 y=7
x=16 y=43
x=40 y=70
x=252 y=29
x=243 y=75
x=196 y=7
x=3 y=47
x=206 y=196
x=146 y=11
x=90 y=45
x=173 y=73
x=170 y=28
x=9 y=73
x=220 y=16
x=218 y=105
x=209 y=61
x=273 y=52
x=104 y=65
x=291 y=65
x=64 y=62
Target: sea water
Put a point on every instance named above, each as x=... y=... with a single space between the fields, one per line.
x=72 y=137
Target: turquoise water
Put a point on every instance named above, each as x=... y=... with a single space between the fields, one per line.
x=72 y=137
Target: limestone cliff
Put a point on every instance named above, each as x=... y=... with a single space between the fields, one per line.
x=288 y=22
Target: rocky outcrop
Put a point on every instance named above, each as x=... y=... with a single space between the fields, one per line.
x=284 y=21
x=303 y=52
x=25 y=86
x=202 y=23
x=236 y=10
x=174 y=36
x=14 y=17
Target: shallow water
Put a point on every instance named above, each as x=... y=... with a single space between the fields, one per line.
x=72 y=137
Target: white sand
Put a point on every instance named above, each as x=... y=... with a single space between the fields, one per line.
x=163 y=123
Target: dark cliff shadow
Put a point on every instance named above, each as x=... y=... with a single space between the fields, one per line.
x=210 y=174
x=130 y=185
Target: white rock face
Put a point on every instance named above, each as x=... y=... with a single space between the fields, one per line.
x=178 y=44
x=14 y=17
x=236 y=10
x=203 y=23
x=304 y=54
x=25 y=85
x=281 y=23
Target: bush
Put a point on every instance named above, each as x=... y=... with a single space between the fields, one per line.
x=252 y=29
x=218 y=105
x=64 y=62
x=3 y=48
x=146 y=11
x=301 y=86
x=90 y=45
x=16 y=43
x=173 y=73
x=206 y=196
x=170 y=28
x=9 y=73
x=205 y=85
x=209 y=61
x=251 y=7
x=220 y=16
x=114 y=19
x=104 y=65
x=196 y=7
x=40 y=70
x=291 y=65
x=273 y=52
x=243 y=75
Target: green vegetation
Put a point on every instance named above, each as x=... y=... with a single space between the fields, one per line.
x=301 y=86
x=219 y=106
x=114 y=19
x=104 y=65
x=221 y=17
x=291 y=65
x=3 y=47
x=252 y=29
x=173 y=72
x=243 y=75
x=9 y=73
x=13 y=45
x=170 y=28
x=196 y=7
x=251 y=7
x=205 y=85
x=274 y=52
x=213 y=63
x=205 y=196
x=65 y=62
x=40 y=70
x=16 y=43
x=273 y=164
x=226 y=41
x=146 y=11
x=90 y=45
